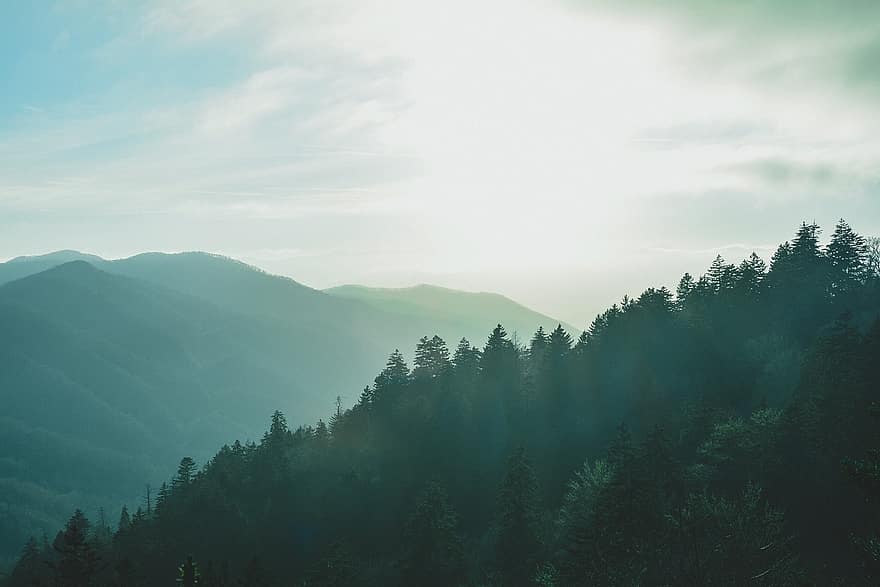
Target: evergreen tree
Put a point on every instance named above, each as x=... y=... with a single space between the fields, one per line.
x=806 y=242
x=538 y=348
x=185 y=474
x=433 y=552
x=30 y=570
x=278 y=433
x=577 y=520
x=758 y=382
x=161 y=498
x=466 y=362
x=321 y=434
x=872 y=258
x=77 y=560
x=432 y=358
x=718 y=274
x=519 y=544
x=733 y=542
x=124 y=520
x=685 y=287
x=847 y=253
x=498 y=355
x=366 y=397
x=393 y=377
x=750 y=276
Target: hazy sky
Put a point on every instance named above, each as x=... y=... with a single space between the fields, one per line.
x=563 y=153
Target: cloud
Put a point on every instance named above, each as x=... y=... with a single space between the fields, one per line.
x=465 y=127
x=777 y=172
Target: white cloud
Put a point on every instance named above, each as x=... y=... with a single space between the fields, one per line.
x=501 y=134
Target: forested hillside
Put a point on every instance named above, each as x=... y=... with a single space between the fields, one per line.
x=110 y=369
x=727 y=433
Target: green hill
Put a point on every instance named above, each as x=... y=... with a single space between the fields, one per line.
x=110 y=369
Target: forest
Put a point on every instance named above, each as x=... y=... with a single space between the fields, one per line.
x=726 y=433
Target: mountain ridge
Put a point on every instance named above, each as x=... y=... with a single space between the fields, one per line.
x=129 y=362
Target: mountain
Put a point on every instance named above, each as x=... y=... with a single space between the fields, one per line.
x=20 y=267
x=109 y=370
x=466 y=312
x=725 y=436
x=391 y=318
x=104 y=379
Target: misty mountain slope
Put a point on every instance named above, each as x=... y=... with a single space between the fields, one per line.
x=109 y=370
x=373 y=319
x=105 y=379
x=476 y=312
x=21 y=267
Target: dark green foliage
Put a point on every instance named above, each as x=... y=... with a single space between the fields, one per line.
x=726 y=436
x=519 y=545
x=31 y=569
x=77 y=561
x=432 y=547
x=185 y=472
x=109 y=370
x=432 y=358
x=124 y=519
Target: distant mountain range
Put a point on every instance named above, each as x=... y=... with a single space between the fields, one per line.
x=111 y=370
x=465 y=312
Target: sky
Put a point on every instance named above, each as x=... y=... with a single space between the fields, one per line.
x=561 y=152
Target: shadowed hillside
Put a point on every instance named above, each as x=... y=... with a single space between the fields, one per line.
x=109 y=373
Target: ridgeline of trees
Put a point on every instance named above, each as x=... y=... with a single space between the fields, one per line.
x=726 y=434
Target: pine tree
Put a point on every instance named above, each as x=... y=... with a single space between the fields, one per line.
x=750 y=276
x=102 y=533
x=433 y=553
x=321 y=434
x=577 y=524
x=716 y=273
x=519 y=544
x=366 y=397
x=124 y=520
x=555 y=376
x=872 y=257
x=865 y=472
x=685 y=287
x=29 y=571
x=185 y=474
x=538 y=348
x=498 y=359
x=77 y=559
x=558 y=346
x=278 y=432
x=162 y=498
x=805 y=244
x=847 y=253
x=432 y=358
x=393 y=377
x=733 y=542
x=466 y=362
